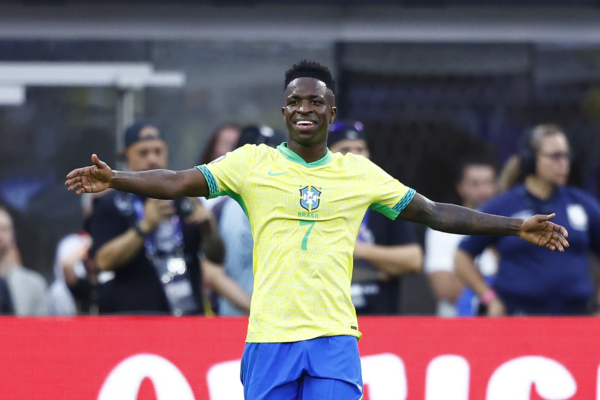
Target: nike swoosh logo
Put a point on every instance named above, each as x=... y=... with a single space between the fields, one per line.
x=277 y=173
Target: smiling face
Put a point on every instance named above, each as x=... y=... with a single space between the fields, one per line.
x=308 y=110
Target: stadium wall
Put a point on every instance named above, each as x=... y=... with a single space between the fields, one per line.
x=143 y=358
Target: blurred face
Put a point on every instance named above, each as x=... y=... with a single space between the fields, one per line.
x=478 y=185
x=553 y=162
x=226 y=141
x=7 y=237
x=308 y=110
x=354 y=146
x=147 y=155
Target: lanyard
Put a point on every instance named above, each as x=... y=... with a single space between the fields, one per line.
x=167 y=244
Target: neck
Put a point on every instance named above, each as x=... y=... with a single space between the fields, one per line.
x=309 y=154
x=539 y=187
x=5 y=263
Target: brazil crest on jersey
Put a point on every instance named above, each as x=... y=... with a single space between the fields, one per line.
x=305 y=218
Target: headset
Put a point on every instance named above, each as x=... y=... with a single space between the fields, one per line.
x=527 y=154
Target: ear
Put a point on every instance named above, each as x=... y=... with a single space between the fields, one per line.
x=333 y=114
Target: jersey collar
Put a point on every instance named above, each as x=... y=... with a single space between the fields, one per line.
x=293 y=157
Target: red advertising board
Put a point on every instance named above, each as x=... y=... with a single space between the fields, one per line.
x=198 y=358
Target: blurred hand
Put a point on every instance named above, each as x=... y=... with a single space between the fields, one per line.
x=155 y=212
x=540 y=231
x=79 y=254
x=200 y=214
x=90 y=179
x=495 y=308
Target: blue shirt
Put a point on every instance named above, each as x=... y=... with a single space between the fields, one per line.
x=234 y=228
x=534 y=279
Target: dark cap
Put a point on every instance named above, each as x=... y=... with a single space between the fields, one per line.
x=132 y=134
x=341 y=130
x=260 y=134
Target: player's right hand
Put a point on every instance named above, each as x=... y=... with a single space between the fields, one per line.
x=92 y=179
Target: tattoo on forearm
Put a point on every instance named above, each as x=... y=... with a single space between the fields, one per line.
x=464 y=221
x=460 y=220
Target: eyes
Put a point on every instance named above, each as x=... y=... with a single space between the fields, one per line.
x=145 y=152
x=314 y=102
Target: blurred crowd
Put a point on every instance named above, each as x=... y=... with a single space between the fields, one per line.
x=193 y=256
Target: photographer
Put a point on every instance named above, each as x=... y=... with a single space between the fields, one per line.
x=151 y=245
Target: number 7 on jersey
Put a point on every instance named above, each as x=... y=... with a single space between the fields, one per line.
x=305 y=239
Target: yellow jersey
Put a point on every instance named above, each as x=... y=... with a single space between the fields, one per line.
x=305 y=219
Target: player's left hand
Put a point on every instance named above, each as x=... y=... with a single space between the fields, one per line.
x=540 y=231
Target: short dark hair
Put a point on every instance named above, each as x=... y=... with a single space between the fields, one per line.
x=310 y=69
x=474 y=160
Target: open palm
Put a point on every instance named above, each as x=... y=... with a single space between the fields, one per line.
x=540 y=231
x=93 y=179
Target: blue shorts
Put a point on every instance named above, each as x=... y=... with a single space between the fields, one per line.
x=323 y=368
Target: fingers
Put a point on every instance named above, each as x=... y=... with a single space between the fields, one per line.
x=166 y=208
x=563 y=231
x=561 y=239
x=75 y=172
x=96 y=161
x=78 y=187
x=557 y=243
x=71 y=181
x=542 y=218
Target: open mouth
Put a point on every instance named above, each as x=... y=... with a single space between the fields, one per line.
x=304 y=125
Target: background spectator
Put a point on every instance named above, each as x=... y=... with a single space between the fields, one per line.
x=28 y=288
x=71 y=285
x=151 y=245
x=385 y=249
x=530 y=281
x=222 y=140
x=476 y=184
x=235 y=228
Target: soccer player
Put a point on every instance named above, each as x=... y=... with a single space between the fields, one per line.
x=305 y=206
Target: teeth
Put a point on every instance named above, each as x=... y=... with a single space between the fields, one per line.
x=304 y=123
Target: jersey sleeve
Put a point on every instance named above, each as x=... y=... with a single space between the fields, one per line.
x=227 y=174
x=390 y=196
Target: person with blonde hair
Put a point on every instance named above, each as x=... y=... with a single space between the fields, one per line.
x=529 y=282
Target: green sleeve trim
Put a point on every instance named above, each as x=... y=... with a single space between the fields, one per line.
x=385 y=210
x=393 y=212
x=234 y=196
x=405 y=200
x=214 y=189
x=210 y=179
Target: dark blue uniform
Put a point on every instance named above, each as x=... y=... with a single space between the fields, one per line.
x=534 y=280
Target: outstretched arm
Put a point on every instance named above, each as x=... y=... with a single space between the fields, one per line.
x=451 y=218
x=158 y=184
